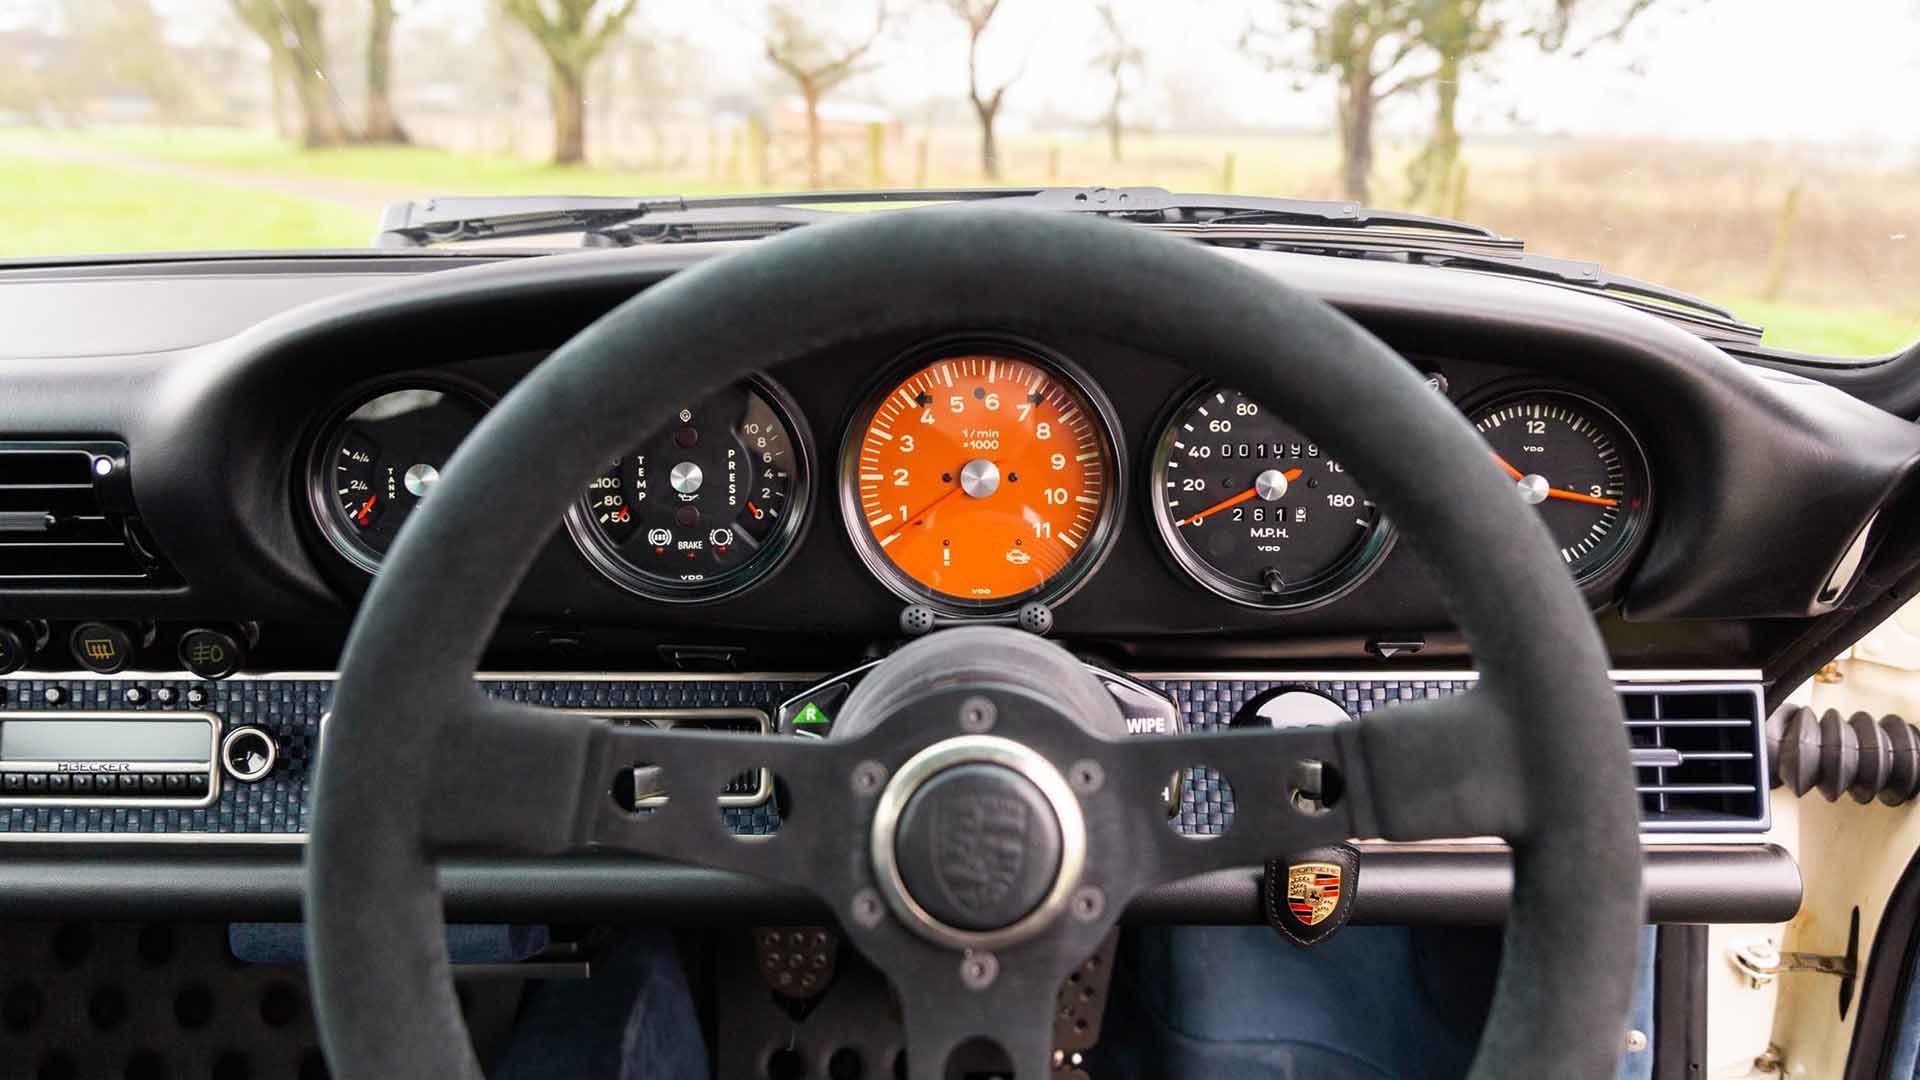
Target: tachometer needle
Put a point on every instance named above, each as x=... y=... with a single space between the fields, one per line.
x=1551 y=492
x=921 y=513
x=1232 y=501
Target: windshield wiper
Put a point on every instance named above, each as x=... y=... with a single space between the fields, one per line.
x=1303 y=225
x=648 y=219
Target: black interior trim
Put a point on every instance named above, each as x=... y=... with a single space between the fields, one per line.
x=1738 y=883
x=1680 y=1002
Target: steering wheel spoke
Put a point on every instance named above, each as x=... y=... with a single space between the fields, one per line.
x=992 y=1022
x=535 y=780
x=1292 y=790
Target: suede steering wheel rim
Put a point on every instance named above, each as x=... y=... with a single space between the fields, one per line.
x=1534 y=753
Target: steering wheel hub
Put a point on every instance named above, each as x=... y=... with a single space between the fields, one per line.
x=977 y=842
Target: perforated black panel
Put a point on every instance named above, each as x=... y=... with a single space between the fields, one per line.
x=291 y=710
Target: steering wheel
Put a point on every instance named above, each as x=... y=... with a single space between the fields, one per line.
x=977 y=747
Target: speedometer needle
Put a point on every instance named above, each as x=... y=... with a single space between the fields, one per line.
x=1554 y=492
x=1232 y=501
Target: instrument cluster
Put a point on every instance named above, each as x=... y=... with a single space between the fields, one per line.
x=976 y=475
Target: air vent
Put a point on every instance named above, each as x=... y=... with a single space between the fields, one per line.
x=1699 y=755
x=67 y=519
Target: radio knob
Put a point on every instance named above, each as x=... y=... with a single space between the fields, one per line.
x=248 y=754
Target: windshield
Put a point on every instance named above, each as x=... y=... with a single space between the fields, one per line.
x=1761 y=156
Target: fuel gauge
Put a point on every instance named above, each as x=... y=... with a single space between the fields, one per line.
x=380 y=460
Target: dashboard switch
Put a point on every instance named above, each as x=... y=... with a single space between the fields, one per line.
x=15 y=650
x=211 y=654
x=102 y=648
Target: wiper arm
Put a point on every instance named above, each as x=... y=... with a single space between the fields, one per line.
x=456 y=218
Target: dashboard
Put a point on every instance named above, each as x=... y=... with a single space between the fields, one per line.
x=977 y=476
x=204 y=462
x=277 y=420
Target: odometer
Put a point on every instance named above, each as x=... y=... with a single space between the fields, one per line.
x=707 y=506
x=977 y=480
x=1256 y=511
x=1576 y=464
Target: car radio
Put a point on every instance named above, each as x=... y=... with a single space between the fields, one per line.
x=110 y=759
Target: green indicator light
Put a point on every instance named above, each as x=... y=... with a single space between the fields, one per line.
x=811 y=714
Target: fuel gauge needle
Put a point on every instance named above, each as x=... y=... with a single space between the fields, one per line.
x=1232 y=501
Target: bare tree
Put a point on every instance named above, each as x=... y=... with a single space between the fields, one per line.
x=817 y=63
x=1460 y=33
x=571 y=33
x=298 y=48
x=986 y=105
x=1366 y=45
x=1116 y=58
x=382 y=124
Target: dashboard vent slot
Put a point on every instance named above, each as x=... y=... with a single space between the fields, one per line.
x=67 y=518
x=1699 y=756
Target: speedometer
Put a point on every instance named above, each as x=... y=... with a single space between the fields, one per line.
x=978 y=478
x=1254 y=510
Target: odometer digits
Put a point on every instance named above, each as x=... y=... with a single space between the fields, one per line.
x=977 y=480
x=1256 y=511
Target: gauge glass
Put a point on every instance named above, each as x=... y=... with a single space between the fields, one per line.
x=706 y=507
x=1256 y=511
x=381 y=460
x=1577 y=465
x=976 y=481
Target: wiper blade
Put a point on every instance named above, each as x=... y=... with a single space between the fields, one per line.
x=1502 y=257
x=458 y=218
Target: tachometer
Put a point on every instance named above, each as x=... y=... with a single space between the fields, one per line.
x=380 y=460
x=1576 y=464
x=706 y=507
x=1254 y=510
x=981 y=478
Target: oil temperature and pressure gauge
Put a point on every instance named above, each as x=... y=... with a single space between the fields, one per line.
x=1256 y=511
x=707 y=506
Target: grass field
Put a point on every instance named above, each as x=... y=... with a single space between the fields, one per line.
x=53 y=207
x=1851 y=286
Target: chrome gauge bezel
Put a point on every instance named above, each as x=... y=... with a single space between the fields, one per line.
x=607 y=560
x=1105 y=530
x=1600 y=577
x=1336 y=581
x=320 y=504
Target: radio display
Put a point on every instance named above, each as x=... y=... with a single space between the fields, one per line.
x=104 y=740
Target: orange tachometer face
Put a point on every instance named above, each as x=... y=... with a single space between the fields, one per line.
x=980 y=480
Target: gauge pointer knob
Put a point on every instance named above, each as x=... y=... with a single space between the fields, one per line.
x=1270 y=486
x=1535 y=490
x=979 y=478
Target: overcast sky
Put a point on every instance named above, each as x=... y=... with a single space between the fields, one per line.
x=1799 y=70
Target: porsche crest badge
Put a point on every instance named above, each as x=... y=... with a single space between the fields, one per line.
x=1310 y=895
x=1313 y=891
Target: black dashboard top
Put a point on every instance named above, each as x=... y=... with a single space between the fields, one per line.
x=1762 y=491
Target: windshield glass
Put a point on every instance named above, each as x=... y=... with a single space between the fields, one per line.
x=1757 y=155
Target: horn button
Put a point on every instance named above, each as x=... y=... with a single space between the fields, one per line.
x=978 y=842
x=978 y=847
